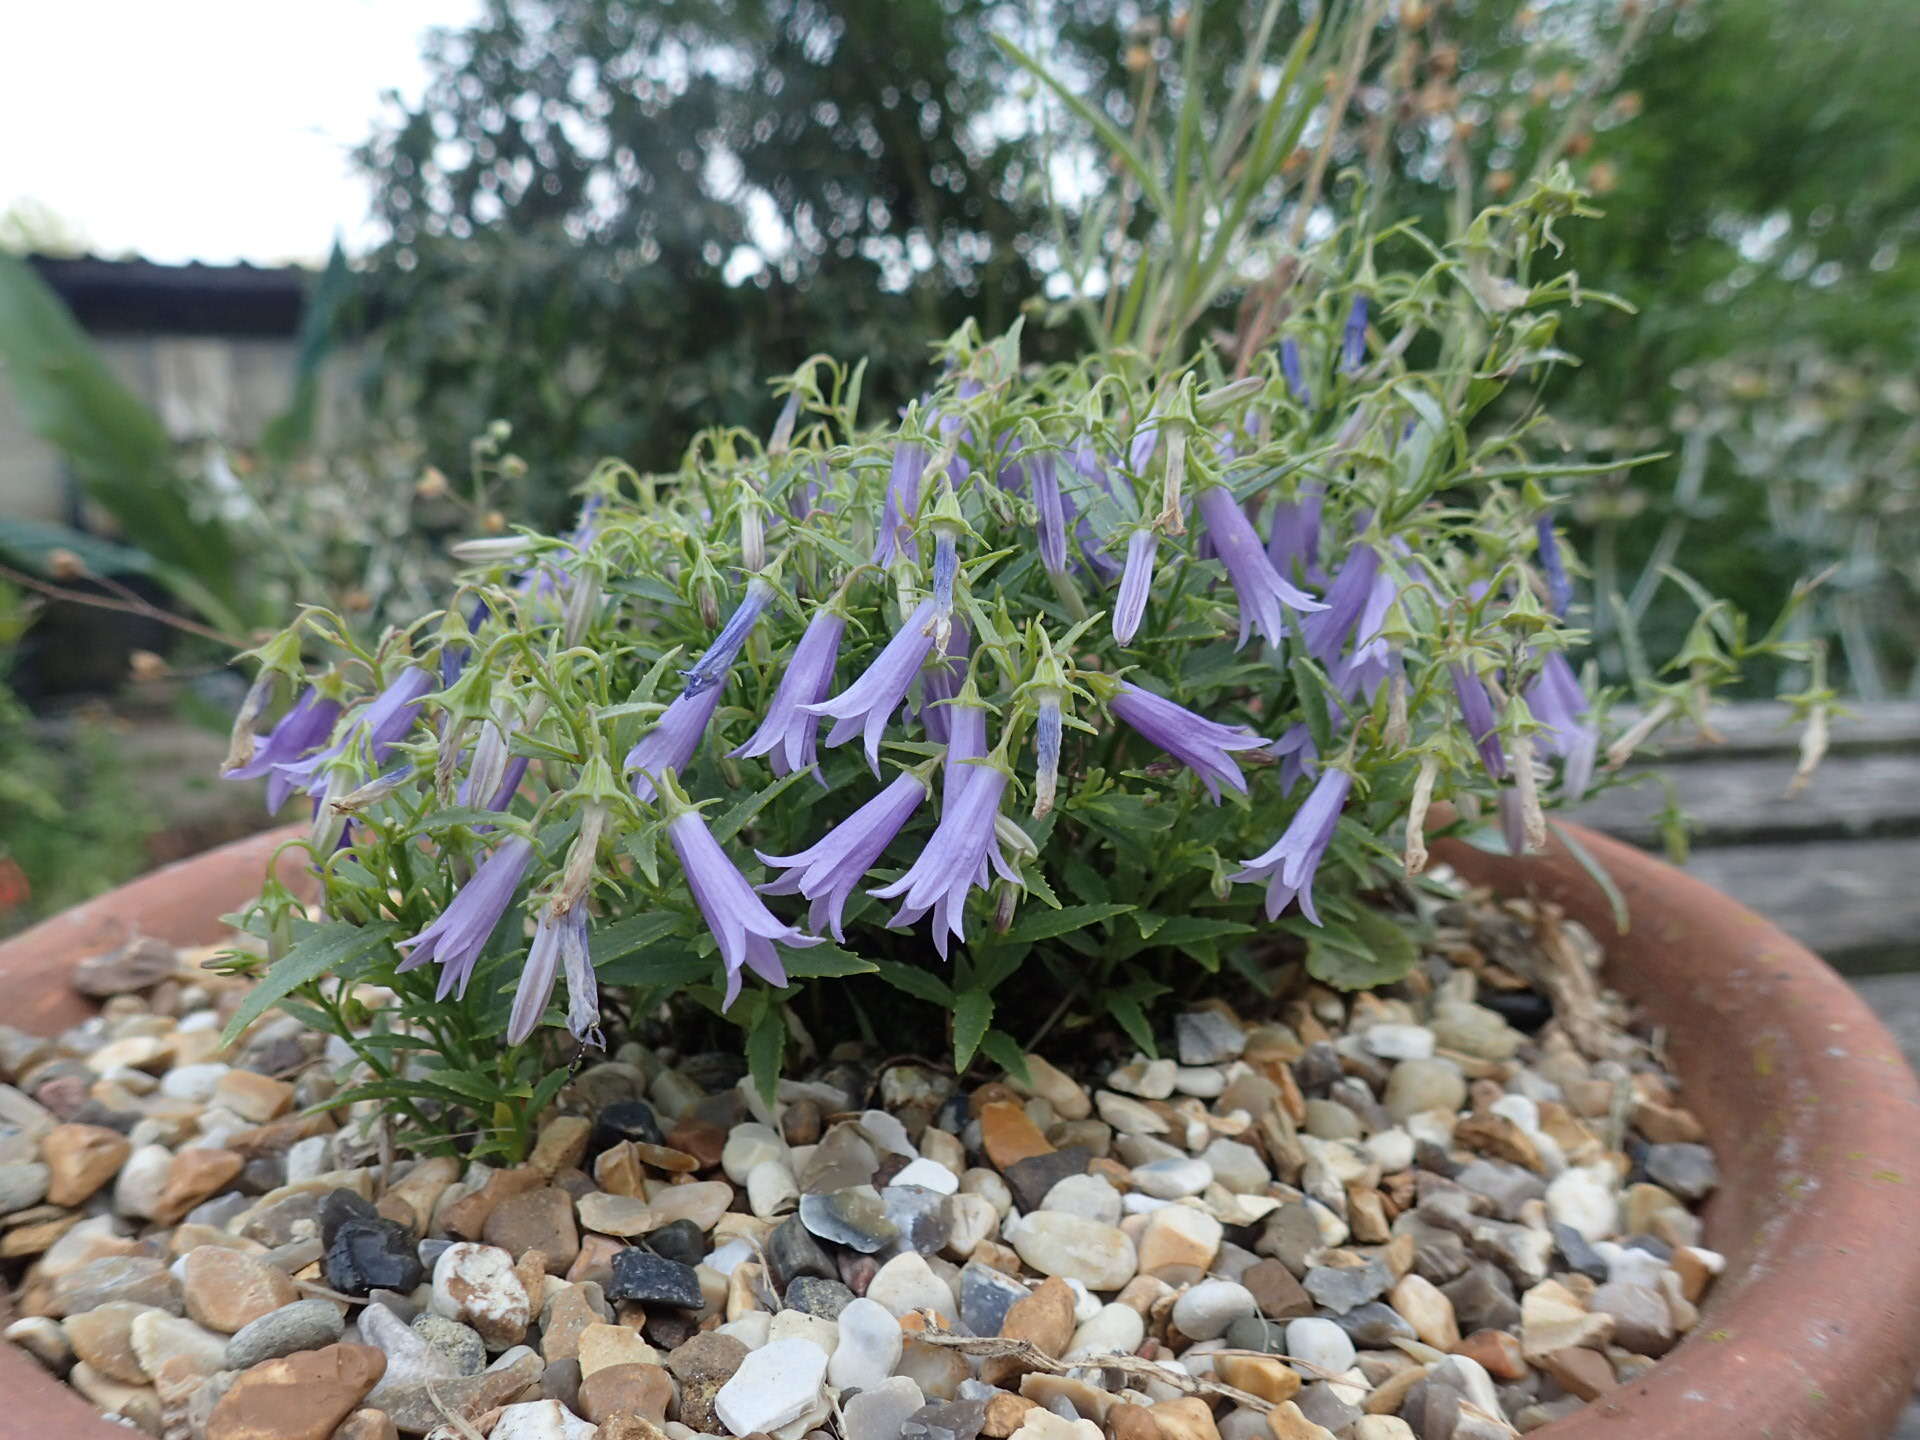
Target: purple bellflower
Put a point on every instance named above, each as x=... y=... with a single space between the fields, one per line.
x=1288 y=868
x=670 y=744
x=1263 y=592
x=712 y=667
x=1476 y=708
x=1299 y=757
x=559 y=944
x=455 y=940
x=1135 y=582
x=940 y=680
x=1053 y=514
x=955 y=860
x=966 y=740
x=1353 y=340
x=865 y=706
x=380 y=724
x=297 y=734
x=1047 y=727
x=1327 y=633
x=1293 y=536
x=1554 y=564
x=1373 y=659
x=788 y=733
x=831 y=869
x=1557 y=702
x=1296 y=377
x=903 y=499
x=1205 y=746
x=739 y=919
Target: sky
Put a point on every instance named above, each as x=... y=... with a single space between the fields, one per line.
x=213 y=130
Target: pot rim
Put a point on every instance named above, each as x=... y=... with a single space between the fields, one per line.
x=1814 y=1329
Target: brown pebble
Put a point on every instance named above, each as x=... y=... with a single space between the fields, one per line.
x=1581 y=1372
x=1267 y=1376
x=629 y=1427
x=536 y=1220
x=1008 y=1136
x=466 y=1217
x=1497 y=1352
x=226 y=1290
x=702 y=1141
x=195 y=1175
x=1187 y=1418
x=80 y=1159
x=562 y=1144
x=644 y=1390
x=1005 y=1413
x=298 y=1397
x=1132 y=1422
x=258 y=1098
x=801 y=1123
x=1043 y=1319
x=367 y=1425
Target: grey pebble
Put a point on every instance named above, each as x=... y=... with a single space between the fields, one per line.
x=303 y=1325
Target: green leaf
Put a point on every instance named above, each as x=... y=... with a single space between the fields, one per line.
x=1597 y=873
x=915 y=982
x=766 y=1046
x=1132 y=1018
x=824 y=962
x=742 y=813
x=1374 y=950
x=1005 y=1051
x=1198 y=929
x=1045 y=924
x=970 y=1017
x=632 y=935
x=116 y=446
x=668 y=966
x=322 y=950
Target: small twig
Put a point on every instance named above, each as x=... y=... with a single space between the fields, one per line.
x=132 y=606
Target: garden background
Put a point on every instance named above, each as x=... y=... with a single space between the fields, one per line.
x=592 y=227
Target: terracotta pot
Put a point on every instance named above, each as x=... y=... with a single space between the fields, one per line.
x=1814 y=1330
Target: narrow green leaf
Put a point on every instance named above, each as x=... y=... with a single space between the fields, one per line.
x=970 y=1017
x=915 y=982
x=1598 y=873
x=766 y=1046
x=627 y=937
x=824 y=962
x=1045 y=924
x=1374 y=950
x=1129 y=1015
x=1005 y=1051
x=741 y=814
x=324 y=949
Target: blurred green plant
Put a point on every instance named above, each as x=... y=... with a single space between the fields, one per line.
x=72 y=823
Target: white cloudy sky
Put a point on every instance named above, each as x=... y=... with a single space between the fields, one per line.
x=213 y=130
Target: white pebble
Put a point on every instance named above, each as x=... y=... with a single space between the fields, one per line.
x=192 y=1082
x=1091 y=1196
x=1086 y=1304
x=540 y=1420
x=907 y=1283
x=774 y=1386
x=888 y=1133
x=1203 y=1081
x=748 y=1145
x=1313 y=1342
x=1173 y=1179
x=1399 y=1042
x=771 y=1191
x=870 y=1343
x=1393 y=1149
x=1204 y=1311
x=928 y=1175
x=1520 y=1110
x=1113 y=1330
x=1583 y=1198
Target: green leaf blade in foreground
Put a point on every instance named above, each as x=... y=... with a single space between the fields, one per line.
x=971 y=1015
x=1374 y=949
x=322 y=951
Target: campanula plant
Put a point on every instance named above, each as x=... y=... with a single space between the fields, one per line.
x=1159 y=663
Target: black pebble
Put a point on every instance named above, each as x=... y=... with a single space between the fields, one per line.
x=654 y=1280
x=1579 y=1255
x=1030 y=1179
x=681 y=1241
x=372 y=1254
x=339 y=1207
x=792 y=1251
x=623 y=1120
x=825 y=1298
x=1525 y=1010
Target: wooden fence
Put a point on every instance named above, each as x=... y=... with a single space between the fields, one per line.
x=1836 y=865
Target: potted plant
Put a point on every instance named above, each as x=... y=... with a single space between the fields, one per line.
x=1078 y=697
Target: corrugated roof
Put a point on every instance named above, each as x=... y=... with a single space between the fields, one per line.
x=136 y=296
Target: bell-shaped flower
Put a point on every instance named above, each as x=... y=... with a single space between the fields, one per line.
x=1295 y=373
x=1288 y=868
x=1052 y=517
x=910 y=459
x=1136 y=581
x=940 y=681
x=1353 y=339
x=670 y=744
x=1554 y=566
x=296 y=735
x=955 y=860
x=1293 y=535
x=1263 y=593
x=831 y=869
x=712 y=667
x=559 y=944
x=1476 y=709
x=865 y=706
x=379 y=725
x=1556 y=700
x=788 y=733
x=1204 y=746
x=454 y=941
x=1328 y=632
x=739 y=919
